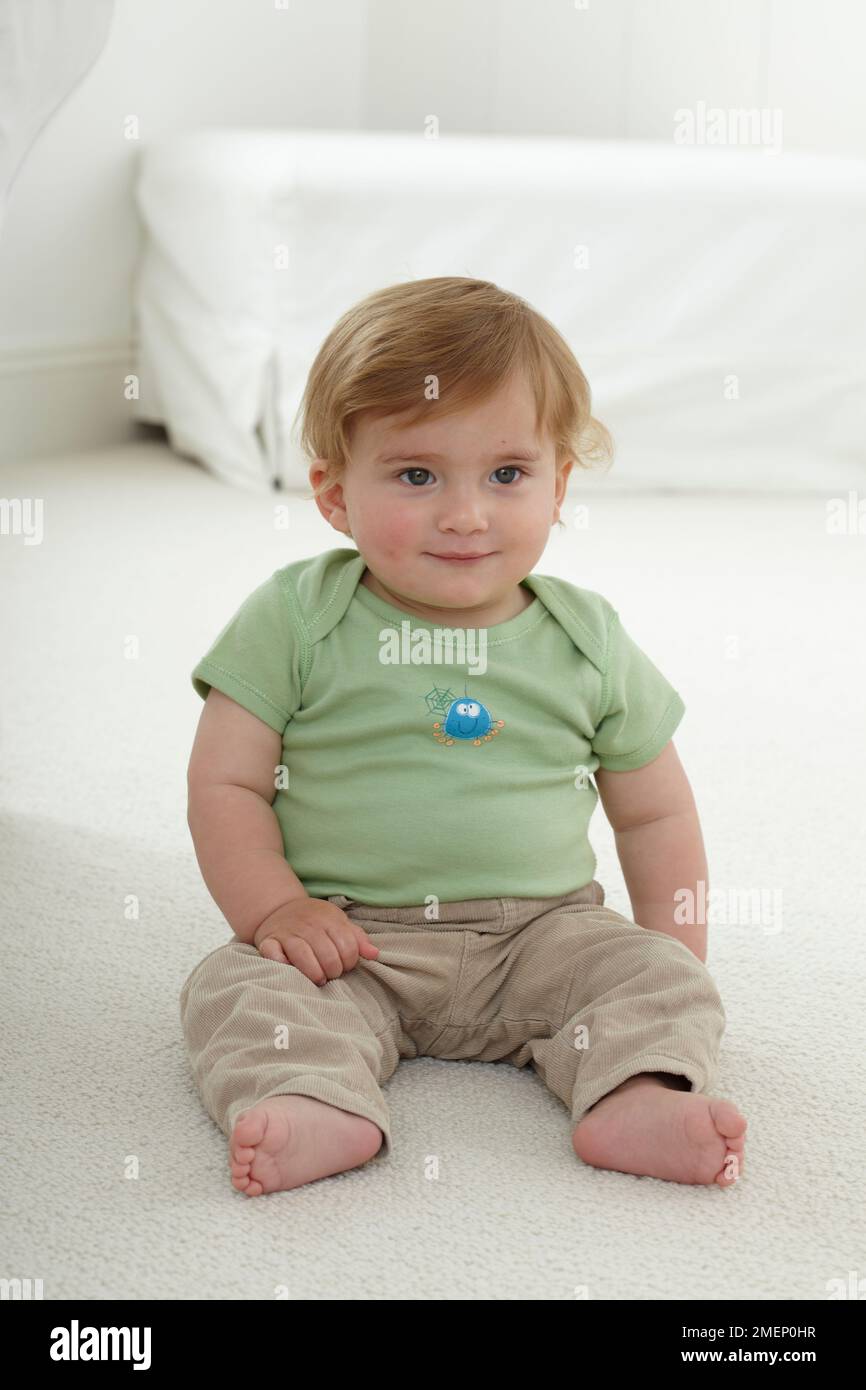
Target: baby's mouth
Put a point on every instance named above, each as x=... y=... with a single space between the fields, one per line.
x=461 y=559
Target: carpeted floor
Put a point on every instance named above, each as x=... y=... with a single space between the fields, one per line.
x=115 y=1180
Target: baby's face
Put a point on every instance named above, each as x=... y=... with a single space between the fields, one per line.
x=405 y=509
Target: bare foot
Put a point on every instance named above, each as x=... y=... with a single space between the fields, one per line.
x=285 y=1141
x=646 y=1127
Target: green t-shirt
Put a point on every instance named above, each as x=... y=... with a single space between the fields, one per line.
x=462 y=777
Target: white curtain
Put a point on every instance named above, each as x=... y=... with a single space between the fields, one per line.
x=46 y=48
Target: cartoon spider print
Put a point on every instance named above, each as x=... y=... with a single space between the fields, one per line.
x=465 y=719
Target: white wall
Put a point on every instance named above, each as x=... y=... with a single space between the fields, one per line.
x=617 y=68
x=71 y=236
x=595 y=68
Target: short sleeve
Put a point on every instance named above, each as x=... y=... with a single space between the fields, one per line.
x=256 y=658
x=640 y=708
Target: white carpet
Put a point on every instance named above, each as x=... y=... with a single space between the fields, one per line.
x=115 y=1180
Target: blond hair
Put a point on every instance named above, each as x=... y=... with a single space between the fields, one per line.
x=470 y=336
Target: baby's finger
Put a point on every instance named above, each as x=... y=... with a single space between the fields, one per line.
x=348 y=940
x=362 y=940
x=304 y=958
x=272 y=950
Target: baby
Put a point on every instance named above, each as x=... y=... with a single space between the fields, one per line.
x=390 y=784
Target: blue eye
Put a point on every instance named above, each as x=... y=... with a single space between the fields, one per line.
x=506 y=468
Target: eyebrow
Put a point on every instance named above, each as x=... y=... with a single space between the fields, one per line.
x=528 y=456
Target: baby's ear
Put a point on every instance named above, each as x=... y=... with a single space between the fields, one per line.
x=317 y=471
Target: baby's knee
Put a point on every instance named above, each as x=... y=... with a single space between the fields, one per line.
x=215 y=964
x=669 y=952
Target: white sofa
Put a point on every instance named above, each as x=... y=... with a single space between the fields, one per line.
x=716 y=298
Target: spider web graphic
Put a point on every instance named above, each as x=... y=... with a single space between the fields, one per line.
x=438 y=700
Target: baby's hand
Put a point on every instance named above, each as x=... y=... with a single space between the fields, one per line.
x=316 y=937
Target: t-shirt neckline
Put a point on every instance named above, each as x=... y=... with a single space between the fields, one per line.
x=510 y=628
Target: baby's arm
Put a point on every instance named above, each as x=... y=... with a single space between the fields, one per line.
x=237 y=837
x=659 y=844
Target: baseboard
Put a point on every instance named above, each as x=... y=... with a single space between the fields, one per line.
x=65 y=399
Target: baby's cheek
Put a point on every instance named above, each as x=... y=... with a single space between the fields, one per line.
x=398 y=531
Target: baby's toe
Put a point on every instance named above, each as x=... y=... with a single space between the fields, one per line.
x=731 y=1172
x=728 y=1120
x=249 y=1130
x=731 y=1126
x=732 y=1168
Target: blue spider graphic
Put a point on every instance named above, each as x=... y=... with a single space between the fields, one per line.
x=467 y=719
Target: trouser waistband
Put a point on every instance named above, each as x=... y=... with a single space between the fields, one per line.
x=477 y=914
